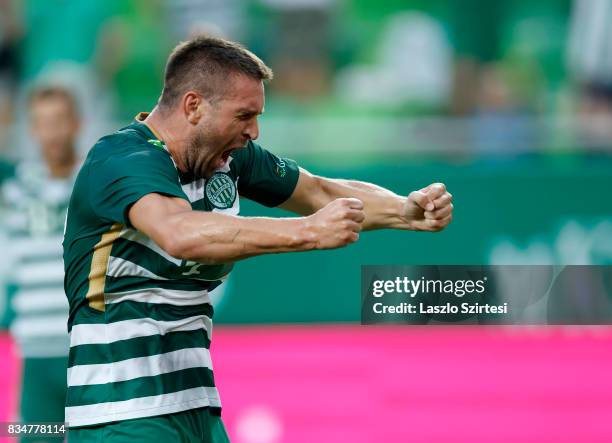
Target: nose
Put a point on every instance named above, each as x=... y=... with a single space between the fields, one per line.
x=251 y=131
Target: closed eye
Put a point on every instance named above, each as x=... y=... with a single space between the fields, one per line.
x=245 y=114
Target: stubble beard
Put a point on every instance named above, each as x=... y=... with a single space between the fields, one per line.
x=198 y=149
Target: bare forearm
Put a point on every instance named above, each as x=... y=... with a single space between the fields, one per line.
x=219 y=238
x=428 y=209
x=212 y=238
x=382 y=207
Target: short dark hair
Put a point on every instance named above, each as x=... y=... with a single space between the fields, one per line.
x=41 y=93
x=202 y=63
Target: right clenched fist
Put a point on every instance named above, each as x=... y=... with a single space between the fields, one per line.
x=337 y=224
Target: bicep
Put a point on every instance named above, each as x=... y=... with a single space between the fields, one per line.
x=153 y=213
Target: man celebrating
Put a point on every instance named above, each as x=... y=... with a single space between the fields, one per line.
x=153 y=226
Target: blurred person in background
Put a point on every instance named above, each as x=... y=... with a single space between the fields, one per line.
x=223 y=18
x=300 y=47
x=130 y=56
x=60 y=45
x=595 y=115
x=61 y=30
x=589 y=59
x=10 y=35
x=35 y=203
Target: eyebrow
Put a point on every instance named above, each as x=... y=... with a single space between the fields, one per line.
x=245 y=111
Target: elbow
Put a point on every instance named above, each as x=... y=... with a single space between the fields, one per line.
x=200 y=254
x=180 y=243
x=321 y=192
x=170 y=236
x=172 y=242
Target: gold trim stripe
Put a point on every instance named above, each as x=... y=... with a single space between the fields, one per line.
x=99 y=266
x=141 y=116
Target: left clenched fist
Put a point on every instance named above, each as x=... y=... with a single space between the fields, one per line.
x=429 y=209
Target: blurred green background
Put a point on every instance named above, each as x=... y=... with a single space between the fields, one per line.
x=507 y=102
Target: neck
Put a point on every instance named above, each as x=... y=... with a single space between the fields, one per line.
x=164 y=127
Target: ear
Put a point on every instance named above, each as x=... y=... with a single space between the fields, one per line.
x=192 y=107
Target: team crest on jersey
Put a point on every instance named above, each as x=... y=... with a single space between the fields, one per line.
x=221 y=190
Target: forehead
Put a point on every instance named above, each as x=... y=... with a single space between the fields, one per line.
x=54 y=104
x=244 y=92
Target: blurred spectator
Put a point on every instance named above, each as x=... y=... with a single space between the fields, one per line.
x=62 y=30
x=595 y=115
x=10 y=34
x=95 y=104
x=131 y=55
x=300 y=47
x=35 y=204
x=57 y=45
x=590 y=62
x=225 y=18
x=503 y=122
x=590 y=41
x=523 y=38
x=413 y=65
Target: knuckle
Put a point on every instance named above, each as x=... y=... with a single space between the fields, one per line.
x=436 y=224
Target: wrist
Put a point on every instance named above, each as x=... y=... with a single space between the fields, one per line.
x=401 y=216
x=392 y=215
x=305 y=235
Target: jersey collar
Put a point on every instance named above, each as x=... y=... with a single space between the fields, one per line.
x=140 y=120
x=153 y=137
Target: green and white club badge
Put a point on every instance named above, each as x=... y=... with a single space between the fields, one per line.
x=221 y=190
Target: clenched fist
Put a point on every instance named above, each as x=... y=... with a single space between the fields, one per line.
x=337 y=224
x=428 y=209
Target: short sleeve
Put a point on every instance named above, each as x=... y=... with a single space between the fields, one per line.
x=116 y=183
x=264 y=177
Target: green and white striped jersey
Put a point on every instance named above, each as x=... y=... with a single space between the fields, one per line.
x=33 y=220
x=141 y=320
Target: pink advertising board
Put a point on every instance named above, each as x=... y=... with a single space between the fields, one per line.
x=348 y=383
